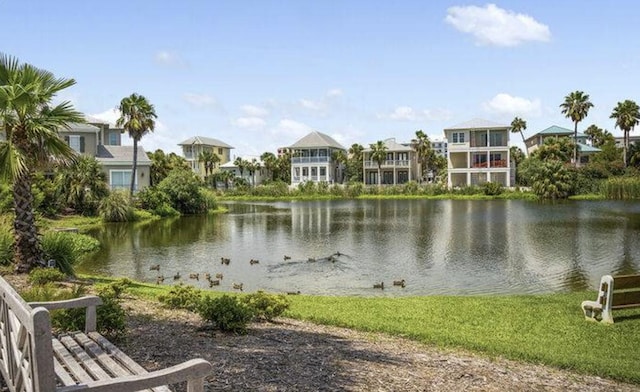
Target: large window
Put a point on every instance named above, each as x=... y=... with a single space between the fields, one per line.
x=458 y=137
x=498 y=138
x=113 y=139
x=120 y=179
x=323 y=171
x=75 y=142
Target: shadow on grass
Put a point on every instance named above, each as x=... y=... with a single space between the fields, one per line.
x=270 y=357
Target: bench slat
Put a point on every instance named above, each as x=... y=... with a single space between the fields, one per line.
x=623 y=282
x=96 y=372
x=625 y=298
x=61 y=373
x=77 y=371
x=101 y=356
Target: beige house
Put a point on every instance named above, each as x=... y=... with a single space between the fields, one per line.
x=399 y=167
x=585 y=149
x=312 y=159
x=478 y=152
x=196 y=145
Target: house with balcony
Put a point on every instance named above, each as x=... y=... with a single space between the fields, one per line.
x=585 y=149
x=399 y=167
x=312 y=159
x=196 y=145
x=478 y=152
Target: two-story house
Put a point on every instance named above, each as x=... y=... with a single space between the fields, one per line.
x=399 y=167
x=478 y=153
x=312 y=159
x=96 y=138
x=585 y=150
x=193 y=147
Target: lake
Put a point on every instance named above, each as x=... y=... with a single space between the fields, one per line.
x=457 y=247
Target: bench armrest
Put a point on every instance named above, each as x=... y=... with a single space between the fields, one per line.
x=90 y=302
x=193 y=371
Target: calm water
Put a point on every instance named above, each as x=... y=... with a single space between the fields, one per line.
x=438 y=247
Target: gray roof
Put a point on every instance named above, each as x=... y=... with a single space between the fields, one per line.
x=207 y=141
x=248 y=158
x=120 y=155
x=317 y=139
x=585 y=148
x=77 y=127
x=478 y=123
x=392 y=145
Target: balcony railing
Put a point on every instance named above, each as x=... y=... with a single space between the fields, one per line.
x=309 y=159
x=297 y=179
x=387 y=164
x=495 y=163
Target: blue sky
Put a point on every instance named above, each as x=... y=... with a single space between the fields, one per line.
x=261 y=74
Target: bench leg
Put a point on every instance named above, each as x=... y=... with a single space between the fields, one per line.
x=196 y=385
x=607 y=317
x=591 y=310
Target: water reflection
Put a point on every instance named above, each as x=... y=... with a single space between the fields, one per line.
x=437 y=246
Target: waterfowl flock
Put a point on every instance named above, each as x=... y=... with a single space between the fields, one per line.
x=240 y=286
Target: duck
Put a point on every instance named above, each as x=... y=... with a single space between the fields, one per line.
x=287 y=257
x=338 y=253
x=215 y=282
x=378 y=285
x=225 y=260
x=194 y=276
x=237 y=286
x=400 y=283
x=207 y=276
x=293 y=292
x=311 y=259
x=160 y=279
x=332 y=259
x=219 y=276
x=176 y=276
x=254 y=261
x=155 y=267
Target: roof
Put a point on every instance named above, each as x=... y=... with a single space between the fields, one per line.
x=207 y=141
x=113 y=155
x=555 y=130
x=248 y=158
x=585 y=148
x=317 y=139
x=77 y=127
x=478 y=123
x=392 y=145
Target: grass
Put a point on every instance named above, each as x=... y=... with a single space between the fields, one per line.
x=547 y=329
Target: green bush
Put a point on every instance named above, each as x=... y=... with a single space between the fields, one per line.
x=226 y=313
x=156 y=201
x=41 y=276
x=183 y=189
x=116 y=207
x=181 y=297
x=60 y=247
x=621 y=188
x=266 y=306
x=6 y=248
x=492 y=188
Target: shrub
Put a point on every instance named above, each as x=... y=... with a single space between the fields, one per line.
x=156 y=201
x=266 y=306
x=116 y=207
x=60 y=247
x=41 y=276
x=6 y=248
x=183 y=189
x=552 y=181
x=181 y=297
x=492 y=188
x=226 y=313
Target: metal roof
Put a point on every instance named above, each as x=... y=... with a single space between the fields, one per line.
x=478 y=123
x=113 y=155
x=317 y=139
x=392 y=145
x=206 y=141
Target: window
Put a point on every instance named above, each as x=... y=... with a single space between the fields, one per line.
x=458 y=137
x=75 y=142
x=403 y=156
x=305 y=171
x=498 y=139
x=120 y=179
x=323 y=171
x=314 y=171
x=113 y=139
x=219 y=150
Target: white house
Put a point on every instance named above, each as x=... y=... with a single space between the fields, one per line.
x=313 y=160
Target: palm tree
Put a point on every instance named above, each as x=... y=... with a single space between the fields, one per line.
x=241 y=164
x=627 y=115
x=422 y=146
x=209 y=159
x=270 y=163
x=31 y=128
x=355 y=163
x=379 y=155
x=519 y=125
x=576 y=106
x=137 y=116
x=634 y=154
x=340 y=157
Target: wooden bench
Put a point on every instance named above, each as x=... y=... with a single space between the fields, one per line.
x=32 y=359
x=615 y=292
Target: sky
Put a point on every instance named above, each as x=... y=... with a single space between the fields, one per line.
x=261 y=74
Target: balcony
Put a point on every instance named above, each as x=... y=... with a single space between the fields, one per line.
x=388 y=164
x=492 y=164
x=309 y=159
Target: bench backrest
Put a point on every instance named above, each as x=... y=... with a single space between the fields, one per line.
x=26 y=353
x=626 y=291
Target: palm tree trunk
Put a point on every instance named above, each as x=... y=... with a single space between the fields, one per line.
x=379 y=177
x=28 y=252
x=575 y=145
x=625 y=147
x=525 y=143
x=134 y=167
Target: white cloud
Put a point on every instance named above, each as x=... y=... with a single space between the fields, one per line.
x=407 y=113
x=334 y=92
x=254 y=111
x=170 y=59
x=249 y=122
x=201 y=100
x=492 y=25
x=109 y=115
x=513 y=106
x=291 y=128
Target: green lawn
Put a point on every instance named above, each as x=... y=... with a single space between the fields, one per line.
x=547 y=329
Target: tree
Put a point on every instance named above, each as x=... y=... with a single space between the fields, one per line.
x=241 y=164
x=598 y=136
x=252 y=167
x=209 y=159
x=270 y=163
x=340 y=157
x=379 y=155
x=162 y=164
x=518 y=125
x=355 y=162
x=31 y=126
x=552 y=181
x=424 y=153
x=555 y=148
x=634 y=154
x=85 y=185
x=627 y=115
x=576 y=106
x=137 y=117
